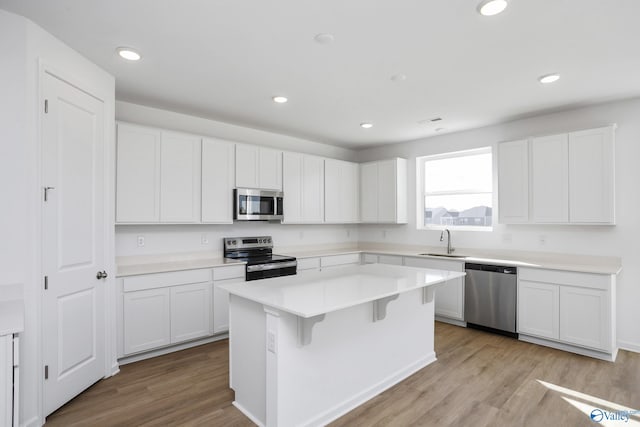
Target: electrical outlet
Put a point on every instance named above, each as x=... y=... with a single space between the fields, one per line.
x=271 y=342
x=507 y=237
x=301 y=234
x=204 y=239
x=140 y=241
x=542 y=239
x=384 y=234
x=348 y=233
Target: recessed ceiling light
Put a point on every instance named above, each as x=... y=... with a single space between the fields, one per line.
x=436 y=119
x=549 y=78
x=439 y=129
x=492 y=7
x=366 y=125
x=280 y=99
x=324 y=38
x=128 y=53
x=399 y=77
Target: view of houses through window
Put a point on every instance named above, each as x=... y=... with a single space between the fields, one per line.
x=457 y=189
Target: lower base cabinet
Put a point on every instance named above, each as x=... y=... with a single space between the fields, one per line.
x=571 y=308
x=449 y=298
x=190 y=312
x=147 y=320
x=224 y=275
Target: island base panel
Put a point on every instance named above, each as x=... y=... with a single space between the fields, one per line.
x=349 y=358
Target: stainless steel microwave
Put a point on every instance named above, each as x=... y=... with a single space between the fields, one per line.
x=257 y=205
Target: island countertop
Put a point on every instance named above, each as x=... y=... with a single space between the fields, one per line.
x=322 y=292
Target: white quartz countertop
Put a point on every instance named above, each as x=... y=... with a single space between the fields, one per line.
x=11 y=317
x=317 y=293
x=165 y=263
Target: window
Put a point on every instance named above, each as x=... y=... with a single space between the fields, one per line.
x=457 y=190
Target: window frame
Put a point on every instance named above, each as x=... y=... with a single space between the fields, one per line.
x=421 y=193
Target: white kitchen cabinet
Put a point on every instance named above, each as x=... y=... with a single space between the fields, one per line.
x=218 y=181
x=585 y=317
x=383 y=191
x=591 y=176
x=147 y=319
x=449 y=297
x=137 y=174
x=180 y=161
x=575 y=311
x=550 y=179
x=538 y=309
x=303 y=186
x=513 y=182
x=224 y=275
x=341 y=192
x=258 y=167
x=9 y=380
x=191 y=312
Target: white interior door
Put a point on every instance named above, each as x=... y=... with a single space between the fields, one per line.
x=73 y=242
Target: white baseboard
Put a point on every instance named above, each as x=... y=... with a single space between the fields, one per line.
x=629 y=346
x=360 y=398
x=451 y=321
x=166 y=350
x=570 y=348
x=247 y=414
x=32 y=422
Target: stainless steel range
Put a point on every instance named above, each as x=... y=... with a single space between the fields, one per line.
x=258 y=253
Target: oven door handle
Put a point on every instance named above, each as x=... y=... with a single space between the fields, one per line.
x=271 y=266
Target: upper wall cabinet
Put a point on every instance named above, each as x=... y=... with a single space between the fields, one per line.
x=303 y=186
x=137 y=174
x=218 y=181
x=558 y=179
x=341 y=192
x=513 y=182
x=157 y=176
x=383 y=191
x=258 y=167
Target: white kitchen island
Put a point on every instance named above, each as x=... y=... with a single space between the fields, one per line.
x=306 y=349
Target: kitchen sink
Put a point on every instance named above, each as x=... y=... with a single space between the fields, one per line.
x=445 y=255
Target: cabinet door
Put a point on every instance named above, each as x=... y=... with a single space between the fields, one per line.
x=550 y=179
x=312 y=189
x=6 y=379
x=591 y=176
x=369 y=192
x=333 y=211
x=538 y=309
x=147 y=321
x=180 y=178
x=292 y=183
x=449 y=297
x=221 y=306
x=513 y=182
x=387 y=187
x=585 y=318
x=137 y=174
x=351 y=192
x=247 y=166
x=190 y=312
x=270 y=169
x=218 y=176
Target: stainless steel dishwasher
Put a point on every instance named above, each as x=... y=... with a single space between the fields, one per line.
x=490 y=295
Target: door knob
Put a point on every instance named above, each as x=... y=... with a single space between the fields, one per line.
x=102 y=275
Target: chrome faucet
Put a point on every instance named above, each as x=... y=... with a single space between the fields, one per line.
x=449 y=248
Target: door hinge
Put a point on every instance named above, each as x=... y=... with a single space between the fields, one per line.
x=46 y=106
x=46 y=282
x=46 y=372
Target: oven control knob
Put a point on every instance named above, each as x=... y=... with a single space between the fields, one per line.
x=233 y=242
x=268 y=240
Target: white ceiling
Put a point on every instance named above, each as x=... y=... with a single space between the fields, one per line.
x=225 y=59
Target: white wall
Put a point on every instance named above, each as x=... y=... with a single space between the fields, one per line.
x=187 y=238
x=620 y=240
x=25 y=46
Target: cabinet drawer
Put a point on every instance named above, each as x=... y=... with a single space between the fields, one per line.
x=308 y=264
x=330 y=261
x=571 y=278
x=232 y=272
x=438 y=264
x=162 y=280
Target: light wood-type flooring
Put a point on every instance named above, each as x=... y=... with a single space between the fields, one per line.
x=479 y=379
